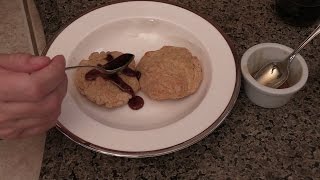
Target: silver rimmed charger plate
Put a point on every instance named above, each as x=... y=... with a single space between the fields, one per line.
x=160 y=127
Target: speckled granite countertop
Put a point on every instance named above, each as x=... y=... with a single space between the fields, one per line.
x=252 y=143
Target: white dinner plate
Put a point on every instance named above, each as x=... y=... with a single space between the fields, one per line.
x=159 y=127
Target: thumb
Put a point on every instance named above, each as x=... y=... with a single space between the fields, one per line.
x=26 y=63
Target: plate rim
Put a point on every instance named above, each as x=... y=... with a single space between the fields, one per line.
x=176 y=147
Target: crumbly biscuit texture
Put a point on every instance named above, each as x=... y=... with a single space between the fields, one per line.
x=100 y=91
x=169 y=73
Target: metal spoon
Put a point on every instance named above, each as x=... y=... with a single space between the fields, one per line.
x=275 y=74
x=112 y=67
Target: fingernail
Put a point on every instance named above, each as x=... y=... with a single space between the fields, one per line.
x=61 y=57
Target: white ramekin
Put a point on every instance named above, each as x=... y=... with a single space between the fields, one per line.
x=258 y=55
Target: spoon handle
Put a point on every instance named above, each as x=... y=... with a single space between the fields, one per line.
x=86 y=66
x=303 y=44
x=73 y=67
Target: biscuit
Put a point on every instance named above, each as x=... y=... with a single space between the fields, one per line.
x=169 y=73
x=100 y=91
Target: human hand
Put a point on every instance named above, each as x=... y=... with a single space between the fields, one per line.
x=31 y=92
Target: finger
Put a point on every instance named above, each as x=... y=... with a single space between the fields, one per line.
x=15 y=86
x=28 y=123
x=36 y=130
x=17 y=130
x=51 y=105
x=10 y=134
x=6 y=132
x=21 y=87
x=23 y=62
x=48 y=78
